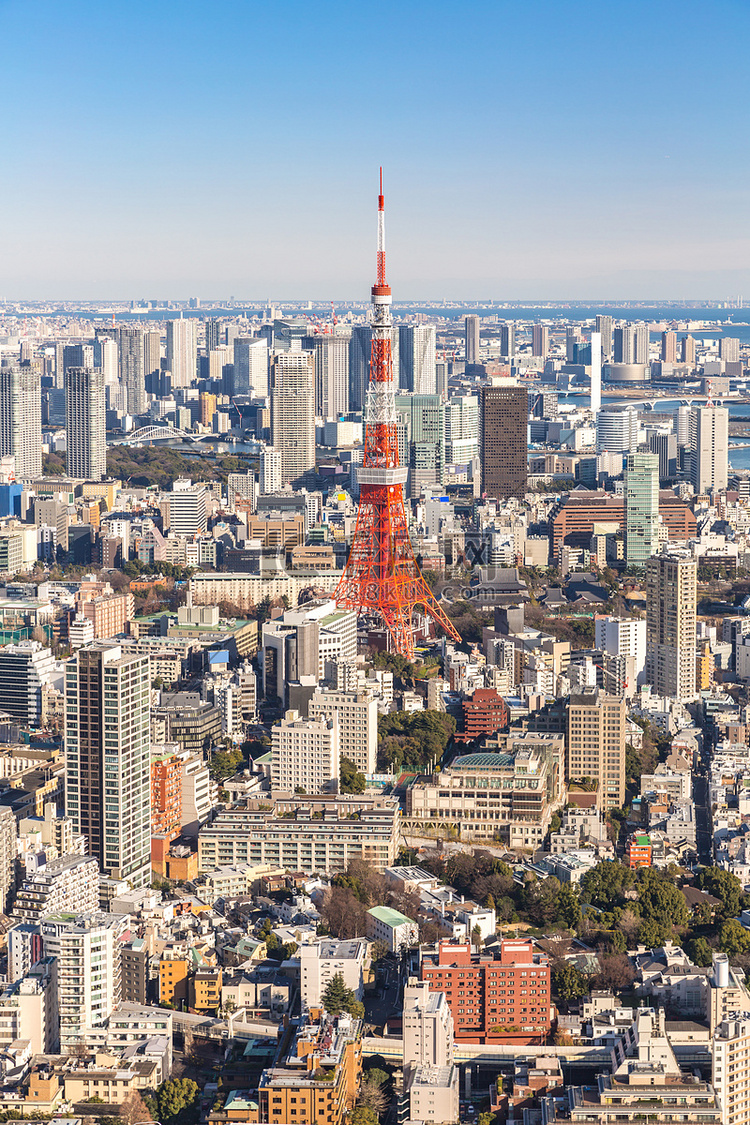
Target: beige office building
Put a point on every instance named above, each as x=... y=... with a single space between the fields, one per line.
x=596 y=745
x=357 y=714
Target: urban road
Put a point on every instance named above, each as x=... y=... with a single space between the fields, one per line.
x=702 y=816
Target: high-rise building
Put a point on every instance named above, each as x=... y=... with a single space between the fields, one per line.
x=622 y=636
x=616 y=430
x=78 y=355
x=508 y=339
x=24 y=669
x=729 y=349
x=270 y=470
x=540 y=340
x=331 y=359
x=669 y=346
x=641 y=507
x=133 y=368
x=596 y=372
x=687 y=350
x=21 y=419
x=471 y=335
x=730 y=1048
x=186 y=509
x=85 y=413
x=461 y=413
x=631 y=344
x=293 y=413
x=106 y=358
x=665 y=448
x=87 y=949
x=305 y=753
x=213 y=333
x=360 y=346
x=417 y=358
x=605 y=325
x=182 y=352
x=681 y=423
x=425 y=437
x=671 y=585
x=151 y=352
x=251 y=366
x=357 y=717
x=709 y=448
x=107 y=789
x=596 y=744
x=503 y=442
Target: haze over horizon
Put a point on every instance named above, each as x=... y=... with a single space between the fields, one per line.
x=529 y=150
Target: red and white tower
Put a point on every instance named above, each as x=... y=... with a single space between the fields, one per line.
x=382 y=578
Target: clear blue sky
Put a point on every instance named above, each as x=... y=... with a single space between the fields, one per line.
x=592 y=148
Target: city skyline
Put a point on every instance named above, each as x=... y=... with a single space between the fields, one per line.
x=545 y=151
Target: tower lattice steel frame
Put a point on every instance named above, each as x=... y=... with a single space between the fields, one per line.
x=382 y=577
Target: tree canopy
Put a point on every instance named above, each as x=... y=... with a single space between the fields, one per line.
x=338 y=998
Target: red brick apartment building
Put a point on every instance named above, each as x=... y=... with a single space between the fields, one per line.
x=573 y=517
x=493 y=999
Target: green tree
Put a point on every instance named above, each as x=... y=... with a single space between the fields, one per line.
x=699 y=951
x=568 y=906
x=734 y=938
x=569 y=982
x=350 y=779
x=659 y=899
x=176 y=1102
x=605 y=885
x=724 y=886
x=363 y=1115
x=540 y=900
x=338 y=997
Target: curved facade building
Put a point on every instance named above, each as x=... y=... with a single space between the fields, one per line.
x=617 y=430
x=626 y=373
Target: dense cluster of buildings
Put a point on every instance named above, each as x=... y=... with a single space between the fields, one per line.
x=151 y=629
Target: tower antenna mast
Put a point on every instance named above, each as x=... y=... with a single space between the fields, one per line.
x=382 y=579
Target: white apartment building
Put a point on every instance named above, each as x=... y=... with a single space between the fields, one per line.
x=730 y=1048
x=28 y=1009
x=321 y=960
x=305 y=753
x=182 y=352
x=430 y=1076
x=622 y=636
x=186 y=508
x=251 y=366
x=21 y=420
x=87 y=948
x=357 y=714
x=243 y=485
x=68 y=885
x=428 y=1026
x=709 y=448
x=270 y=470
x=293 y=413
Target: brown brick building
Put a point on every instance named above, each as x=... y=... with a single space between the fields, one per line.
x=573 y=518
x=503 y=999
x=503 y=440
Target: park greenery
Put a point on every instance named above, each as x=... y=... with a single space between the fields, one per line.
x=413 y=740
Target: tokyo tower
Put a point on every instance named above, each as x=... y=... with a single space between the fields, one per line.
x=382 y=578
